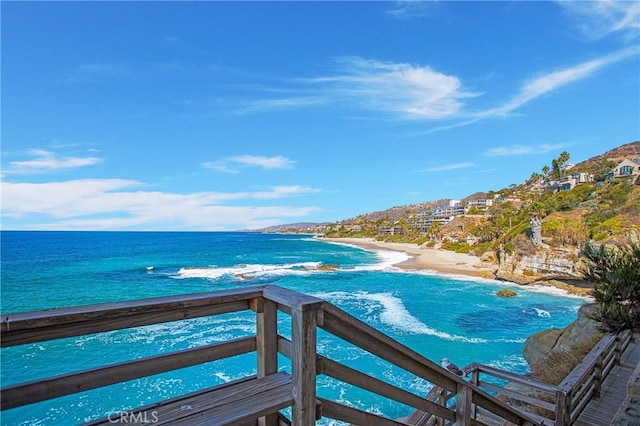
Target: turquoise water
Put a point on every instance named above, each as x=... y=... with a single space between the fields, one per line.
x=435 y=315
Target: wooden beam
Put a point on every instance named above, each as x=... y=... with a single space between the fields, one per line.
x=267 y=346
x=38 y=326
x=368 y=338
x=349 y=375
x=352 y=415
x=303 y=361
x=54 y=387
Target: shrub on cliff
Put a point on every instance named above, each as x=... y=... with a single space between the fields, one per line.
x=615 y=271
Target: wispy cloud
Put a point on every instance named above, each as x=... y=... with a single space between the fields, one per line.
x=448 y=167
x=407 y=9
x=234 y=164
x=100 y=71
x=513 y=150
x=280 y=104
x=46 y=161
x=597 y=19
x=410 y=91
x=83 y=204
x=551 y=81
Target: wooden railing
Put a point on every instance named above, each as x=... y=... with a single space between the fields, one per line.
x=265 y=394
x=555 y=405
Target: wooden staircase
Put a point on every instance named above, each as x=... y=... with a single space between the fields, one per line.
x=258 y=399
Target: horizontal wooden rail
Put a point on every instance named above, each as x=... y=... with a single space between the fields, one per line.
x=54 y=387
x=39 y=326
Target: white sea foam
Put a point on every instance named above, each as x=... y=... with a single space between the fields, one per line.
x=245 y=271
x=387 y=260
x=394 y=313
x=542 y=313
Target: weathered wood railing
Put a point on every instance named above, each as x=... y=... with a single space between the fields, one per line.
x=263 y=395
x=555 y=405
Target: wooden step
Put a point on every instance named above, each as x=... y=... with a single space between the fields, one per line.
x=233 y=403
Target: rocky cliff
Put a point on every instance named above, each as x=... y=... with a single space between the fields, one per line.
x=538 y=347
x=545 y=263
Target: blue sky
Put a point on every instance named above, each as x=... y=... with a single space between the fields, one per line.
x=235 y=115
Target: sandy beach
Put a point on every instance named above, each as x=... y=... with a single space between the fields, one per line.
x=443 y=261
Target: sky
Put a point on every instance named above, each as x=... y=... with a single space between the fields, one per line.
x=222 y=116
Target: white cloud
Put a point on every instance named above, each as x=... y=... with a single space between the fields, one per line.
x=278 y=162
x=448 y=167
x=45 y=161
x=411 y=91
x=512 y=150
x=232 y=164
x=597 y=19
x=119 y=204
x=551 y=81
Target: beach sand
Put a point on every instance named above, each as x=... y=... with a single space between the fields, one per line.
x=443 y=261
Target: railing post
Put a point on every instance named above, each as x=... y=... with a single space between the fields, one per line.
x=442 y=400
x=563 y=408
x=266 y=344
x=464 y=396
x=597 y=377
x=304 y=321
x=618 y=354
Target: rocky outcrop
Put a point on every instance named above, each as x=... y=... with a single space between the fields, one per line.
x=539 y=346
x=545 y=263
x=506 y=293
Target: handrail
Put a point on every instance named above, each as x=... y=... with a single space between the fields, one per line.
x=308 y=314
x=558 y=405
x=585 y=380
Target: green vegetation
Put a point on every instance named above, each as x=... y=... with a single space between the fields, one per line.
x=599 y=211
x=615 y=272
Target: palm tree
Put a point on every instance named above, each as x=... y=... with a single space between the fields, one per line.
x=546 y=170
x=562 y=159
x=615 y=270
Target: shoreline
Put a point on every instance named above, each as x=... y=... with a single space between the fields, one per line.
x=452 y=263
x=441 y=261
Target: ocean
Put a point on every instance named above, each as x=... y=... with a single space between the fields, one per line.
x=438 y=316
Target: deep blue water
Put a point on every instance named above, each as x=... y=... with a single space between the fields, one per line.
x=435 y=315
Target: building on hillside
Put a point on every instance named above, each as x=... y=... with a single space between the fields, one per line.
x=626 y=168
x=481 y=204
x=569 y=182
x=442 y=213
x=392 y=230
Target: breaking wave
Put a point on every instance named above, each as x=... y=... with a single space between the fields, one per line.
x=392 y=312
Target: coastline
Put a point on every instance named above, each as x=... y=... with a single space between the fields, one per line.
x=452 y=263
x=441 y=261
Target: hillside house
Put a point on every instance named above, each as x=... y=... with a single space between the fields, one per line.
x=626 y=168
x=569 y=182
x=392 y=230
x=481 y=204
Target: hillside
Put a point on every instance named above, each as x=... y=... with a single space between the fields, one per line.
x=531 y=231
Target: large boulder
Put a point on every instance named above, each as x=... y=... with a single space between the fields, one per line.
x=582 y=331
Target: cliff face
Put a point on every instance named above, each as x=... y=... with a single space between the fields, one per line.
x=545 y=263
x=540 y=345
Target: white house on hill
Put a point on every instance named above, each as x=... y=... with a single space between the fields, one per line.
x=625 y=168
